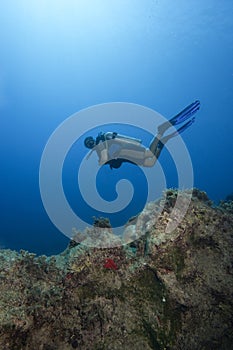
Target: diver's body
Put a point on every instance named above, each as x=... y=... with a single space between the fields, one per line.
x=114 y=149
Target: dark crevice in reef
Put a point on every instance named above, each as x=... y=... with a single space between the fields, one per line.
x=161 y=290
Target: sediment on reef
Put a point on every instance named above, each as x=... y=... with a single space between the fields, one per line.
x=162 y=291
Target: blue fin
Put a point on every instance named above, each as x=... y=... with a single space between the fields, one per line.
x=179 y=131
x=185 y=126
x=186 y=113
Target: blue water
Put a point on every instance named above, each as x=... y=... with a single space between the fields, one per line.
x=58 y=57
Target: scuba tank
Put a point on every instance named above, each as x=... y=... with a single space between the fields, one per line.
x=127 y=139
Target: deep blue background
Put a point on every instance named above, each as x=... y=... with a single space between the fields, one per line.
x=58 y=57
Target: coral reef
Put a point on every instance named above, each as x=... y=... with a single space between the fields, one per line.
x=227 y=205
x=169 y=290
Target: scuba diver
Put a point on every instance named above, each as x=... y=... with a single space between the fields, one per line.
x=113 y=149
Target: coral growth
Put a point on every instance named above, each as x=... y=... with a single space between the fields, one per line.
x=169 y=291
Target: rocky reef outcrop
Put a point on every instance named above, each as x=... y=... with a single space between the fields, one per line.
x=160 y=291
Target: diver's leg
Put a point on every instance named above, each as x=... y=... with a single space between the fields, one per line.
x=185 y=114
x=152 y=153
x=159 y=141
x=154 y=143
x=161 y=144
x=150 y=158
x=159 y=148
x=164 y=139
x=178 y=131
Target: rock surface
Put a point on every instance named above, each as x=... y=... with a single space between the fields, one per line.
x=169 y=291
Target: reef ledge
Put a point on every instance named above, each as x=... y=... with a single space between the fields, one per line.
x=161 y=291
